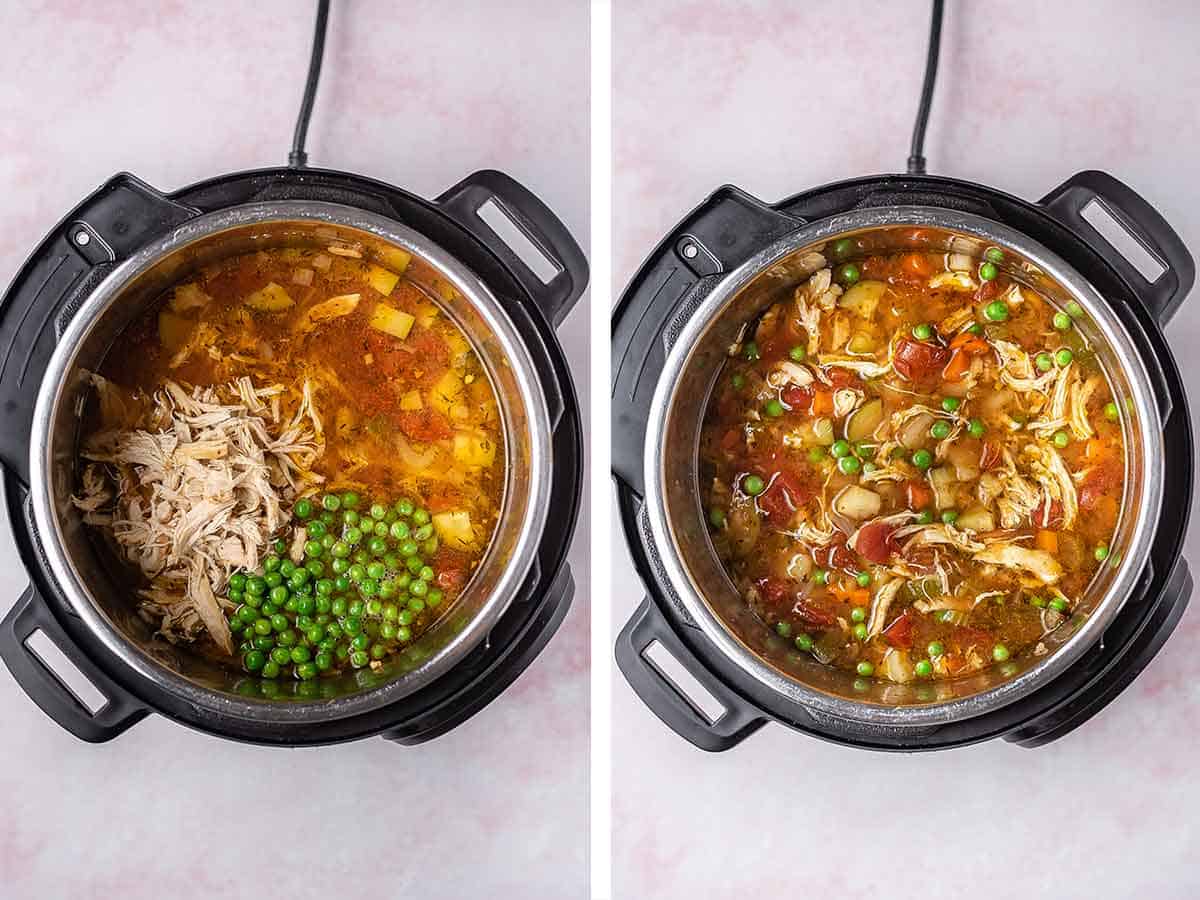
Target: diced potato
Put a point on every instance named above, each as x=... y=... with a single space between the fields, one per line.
x=454 y=528
x=272 y=298
x=412 y=400
x=173 y=330
x=474 y=449
x=915 y=431
x=302 y=277
x=943 y=481
x=861 y=424
x=976 y=518
x=391 y=321
x=446 y=392
x=188 y=296
x=395 y=259
x=350 y=251
x=426 y=313
x=861 y=342
x=459 y=348
x=855 y=502
x=322 y=261
x=822 y=430
x=381 y=279
x=863 y=297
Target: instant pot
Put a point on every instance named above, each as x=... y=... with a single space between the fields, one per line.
x=110 y=257
x=728 y=260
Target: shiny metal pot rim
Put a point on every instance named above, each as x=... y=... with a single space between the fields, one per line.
x=520 y=369
x=659 y=470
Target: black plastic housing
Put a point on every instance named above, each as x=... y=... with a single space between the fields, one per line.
x=726 y=229
x=125 y=214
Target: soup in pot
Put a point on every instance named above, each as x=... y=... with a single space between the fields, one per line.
x=913 y=465
x=300 y=455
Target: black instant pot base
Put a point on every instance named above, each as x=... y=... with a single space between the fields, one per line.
x=727 y=229
x=124 y=215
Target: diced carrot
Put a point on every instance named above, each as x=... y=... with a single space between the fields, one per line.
x=960 y=339
x=822 y=404
x=860 y=596
x=957 y=367
x=970 y=343
x=1094 y=450
x=1047 y=540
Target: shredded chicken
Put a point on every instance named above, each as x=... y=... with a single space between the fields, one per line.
x=1038 y=562
x=1016 y=369
x=201 y=495
x=879 y=605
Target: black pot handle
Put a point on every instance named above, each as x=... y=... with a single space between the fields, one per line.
x=1143 y=223
x=666 y=700
x=537 y=223
x=120 y=711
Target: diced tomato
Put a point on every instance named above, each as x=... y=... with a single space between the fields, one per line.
x=812 y=613
x=797 y=398
x=958 y=365
x=842 y=378
x=1100 y=481
x=836 y=555
x=424 y=425
x=989 y=456
x=822 y=404
x=876 y=543
x=917 y=360
x=989 y=290
x=451 y=568
x=774 y=591
x=1053 y=521
x=785 y=494
x=900 y=632
x=917 y=494
x=444 y=498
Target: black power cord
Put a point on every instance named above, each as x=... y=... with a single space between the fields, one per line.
x=916 y=154
x=298 y=159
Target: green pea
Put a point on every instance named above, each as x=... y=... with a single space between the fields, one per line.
x=376 y=570
x=418 y=589
x=263 y=642
x=327 y=519
x=262 y=626
x=340 y=566
x=281 y=655
x=923 y=668
x=797 y=354
x=865 y=668
x=994 y=254
x=254 y=660
x=976 y=428
x=303 y=508
x=860 y=631
x=404 y=506
x=849 y=465
x=327 y=541
x=360 y=642
x=940 y=430
x=820 y=576
x=946 y=615
x=378 y=511
x=773 y=408
x=331 y=502
x=352 y=535
x=1101 y=553
x=716 y=517
x=924 y=517
x=352 y=625
x=323 y=661
x=1074 y=310
x=1044 y=362
x=423 y=533
x=306 y=671
x=816 y=454
x=1058 y=604
x=988 y=271
x=403 y=633
x=398 y=531
x=863 y=579
x=840 y=448
x=340 y=550
x=1062 y=321
x=433 y=598
x=279 y=594
x=378 y=546
x=804 y=643
x=1061 y=439
x=949 y=516
x=270 y=669
x=1063 y=357
x=355 y=608
x=237 y=581
x=951 y=404
x=922 y=458
x=858 y=614
x=737 y=380
x=413 y=564
x=975 y=328
x=280 y=546
x=408 y=548
x=753 y=485
x=923 y=331
x=256 y=586
x=315 y=568
x=996 y=311
x=313 y=548
x=1039 y=602
x=847 y=273
x=842 y=248
x=350 y=500
x=750 y=351
x=405 y=617
x=357 y=572
x=783 y=629
x=369 y=587
x=1112 y=412
x=1000 y=653
x=935 y=649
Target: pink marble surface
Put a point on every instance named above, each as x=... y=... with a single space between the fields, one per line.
x=775 y=96
x=419 y=94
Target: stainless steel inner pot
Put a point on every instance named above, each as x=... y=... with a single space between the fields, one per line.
x=698 y=341
x=105 y=603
